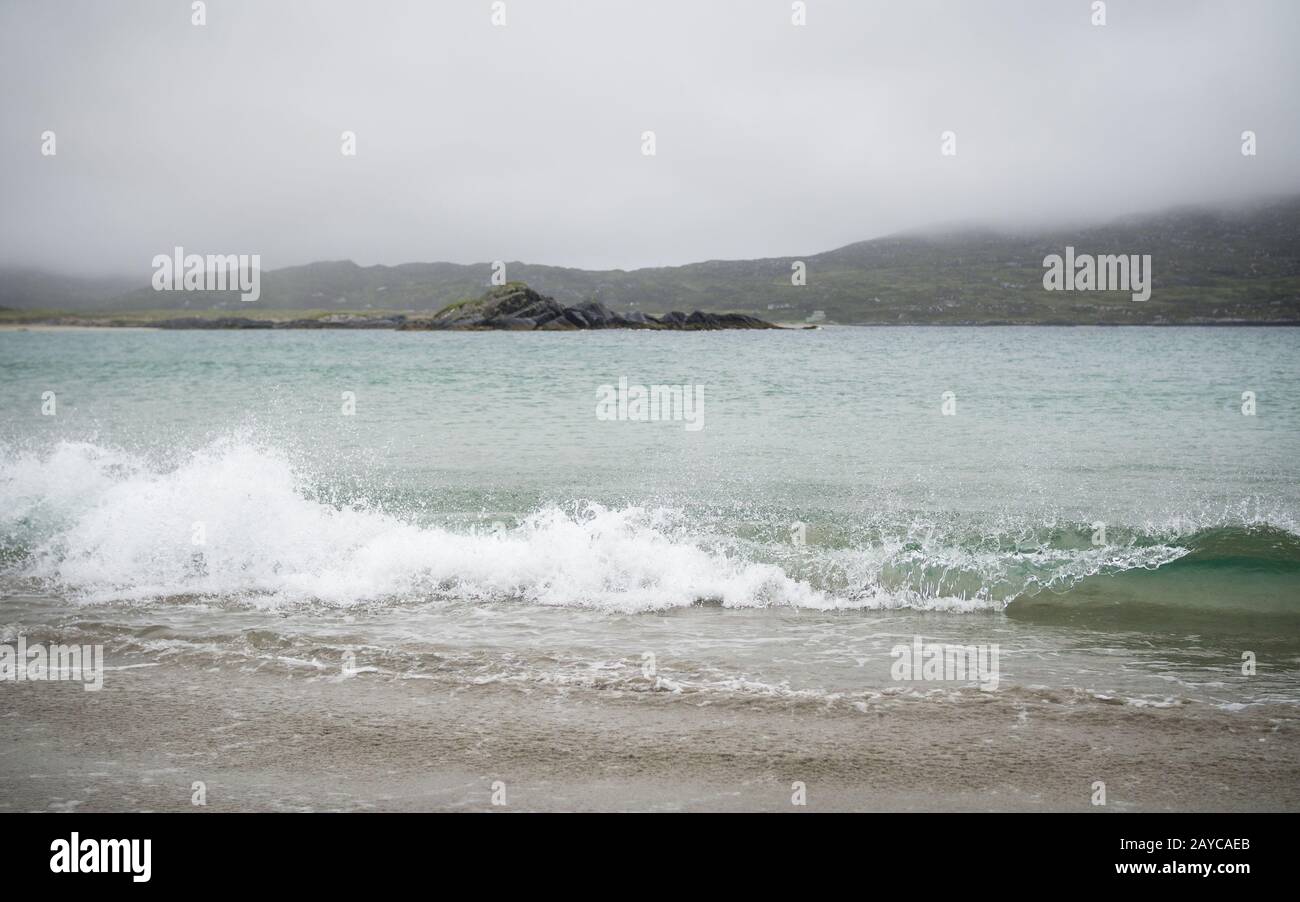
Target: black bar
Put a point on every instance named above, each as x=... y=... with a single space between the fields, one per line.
x=335 y=851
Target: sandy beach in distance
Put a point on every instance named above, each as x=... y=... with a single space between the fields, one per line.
x=269 y=741
x=53 y=327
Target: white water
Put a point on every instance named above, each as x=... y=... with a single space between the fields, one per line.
x=236 y=520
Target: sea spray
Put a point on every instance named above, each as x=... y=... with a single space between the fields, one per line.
x=235 y=520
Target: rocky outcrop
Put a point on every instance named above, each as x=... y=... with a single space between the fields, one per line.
x=214 y=322
x=511 y=307
x=515 y=306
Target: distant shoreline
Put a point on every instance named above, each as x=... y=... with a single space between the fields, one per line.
x=1214 y=265
x=282 y=326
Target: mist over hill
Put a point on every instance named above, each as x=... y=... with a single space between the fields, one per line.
x=1208 y=265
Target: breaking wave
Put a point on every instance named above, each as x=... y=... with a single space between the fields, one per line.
x=237 y=520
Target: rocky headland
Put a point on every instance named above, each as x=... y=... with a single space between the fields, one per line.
x=510 y=307
x=516 y=307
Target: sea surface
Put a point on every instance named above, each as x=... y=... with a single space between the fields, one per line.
x=1097 y=506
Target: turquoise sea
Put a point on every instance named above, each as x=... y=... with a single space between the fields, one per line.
x=1097 y=505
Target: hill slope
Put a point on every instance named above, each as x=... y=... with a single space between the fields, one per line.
x=1208 y=266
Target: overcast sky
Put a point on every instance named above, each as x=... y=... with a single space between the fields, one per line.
x=523 y=142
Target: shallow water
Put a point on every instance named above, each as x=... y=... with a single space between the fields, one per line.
x=474 y=521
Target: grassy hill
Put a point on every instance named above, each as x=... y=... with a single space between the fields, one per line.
x=1208 y=266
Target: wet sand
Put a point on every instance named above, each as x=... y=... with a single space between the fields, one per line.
x=267 y=741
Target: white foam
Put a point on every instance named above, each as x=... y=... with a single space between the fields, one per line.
x=108 y=526
x=122 y=531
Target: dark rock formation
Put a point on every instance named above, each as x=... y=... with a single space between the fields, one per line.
x=215 y=322
x=516 y=306
x=511 y=307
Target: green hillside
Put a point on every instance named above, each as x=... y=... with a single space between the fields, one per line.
x=1208 y=266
